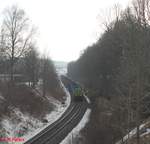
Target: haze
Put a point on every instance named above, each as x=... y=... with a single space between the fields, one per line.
x=65 y=27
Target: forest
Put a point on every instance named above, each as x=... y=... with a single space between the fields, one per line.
x=115 y=73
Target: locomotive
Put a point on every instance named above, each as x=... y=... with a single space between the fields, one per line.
x=73 y=88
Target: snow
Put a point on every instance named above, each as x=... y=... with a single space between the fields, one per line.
x=75 y=132
x=1 y=97
x=87 y=99
x=131 y=134
x=18 y=124
x=52 y=117
x=146 y=133
x=25 y=126
x=68 y=100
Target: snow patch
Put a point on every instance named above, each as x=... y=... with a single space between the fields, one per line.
x=1 y=97
x=87 y=99
x=146 y=132
x=131 y=134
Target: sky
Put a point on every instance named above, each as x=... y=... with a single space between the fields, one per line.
x=65 y=27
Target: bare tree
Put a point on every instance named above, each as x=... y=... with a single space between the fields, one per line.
x=110 y=15
x=142 y=11
x=17 y=35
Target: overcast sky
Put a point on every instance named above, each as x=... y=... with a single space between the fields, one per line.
x=66 y=27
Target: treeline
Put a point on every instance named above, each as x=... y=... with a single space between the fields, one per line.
x=19 y=58
x=116 y=73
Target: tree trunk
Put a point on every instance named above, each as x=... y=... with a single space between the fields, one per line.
x=12 y=65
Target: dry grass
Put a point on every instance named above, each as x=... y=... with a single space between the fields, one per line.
x=24 y=98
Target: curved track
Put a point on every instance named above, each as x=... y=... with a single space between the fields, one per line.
x=57 y=131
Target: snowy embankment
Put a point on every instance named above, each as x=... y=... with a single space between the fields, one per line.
x=76 y=131
x=143 y=131
x=52 y=117
x=25 y=126
x=131 y=134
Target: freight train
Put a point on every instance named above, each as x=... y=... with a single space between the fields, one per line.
x=74 y=88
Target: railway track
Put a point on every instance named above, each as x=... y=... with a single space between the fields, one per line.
x=56 y=132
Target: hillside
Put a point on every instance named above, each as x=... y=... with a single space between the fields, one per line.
x=115 y=75
x=29 y=112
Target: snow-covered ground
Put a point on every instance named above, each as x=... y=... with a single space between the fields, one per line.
x=52 y=117
x=76 y=131
x=25 y=126
x=147 y=131
x=133 y=132
x=18 y=124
